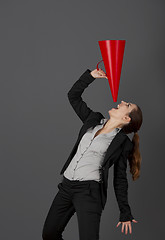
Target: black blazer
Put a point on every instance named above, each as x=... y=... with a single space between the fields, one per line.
x=116 y=153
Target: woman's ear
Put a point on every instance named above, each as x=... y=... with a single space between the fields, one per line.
x=127 y=118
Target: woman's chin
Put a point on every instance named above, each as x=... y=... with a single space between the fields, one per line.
x=113 y=109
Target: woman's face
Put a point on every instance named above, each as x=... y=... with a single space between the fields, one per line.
x=121 y=111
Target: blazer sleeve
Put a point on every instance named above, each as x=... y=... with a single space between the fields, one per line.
x=74 y=95
x=120 y=184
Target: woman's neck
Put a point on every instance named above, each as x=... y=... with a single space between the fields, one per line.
x=111 y=124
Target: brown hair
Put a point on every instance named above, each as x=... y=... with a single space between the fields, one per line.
x=134 y=125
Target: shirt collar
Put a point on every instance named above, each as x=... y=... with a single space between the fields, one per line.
x=104 y=120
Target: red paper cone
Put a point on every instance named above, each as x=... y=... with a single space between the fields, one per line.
x=112 y=52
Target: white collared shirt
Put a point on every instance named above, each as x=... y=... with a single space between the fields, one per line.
x=86 y=163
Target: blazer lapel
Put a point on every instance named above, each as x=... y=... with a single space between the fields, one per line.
x=116 y=142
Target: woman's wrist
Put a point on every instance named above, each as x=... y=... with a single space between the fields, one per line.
x=91 y=73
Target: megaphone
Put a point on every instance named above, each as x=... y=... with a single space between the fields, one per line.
x=112 y=52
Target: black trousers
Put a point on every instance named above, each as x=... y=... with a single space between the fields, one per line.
x=82 y=197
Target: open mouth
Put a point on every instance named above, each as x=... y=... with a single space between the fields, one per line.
x=116 y=107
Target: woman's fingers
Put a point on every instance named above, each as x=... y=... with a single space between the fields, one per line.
x=122 y=229
x=130 y=228
x=127 y=226
x=98 y=73
x=102 y=73
x=133 y=220
x=118 y=224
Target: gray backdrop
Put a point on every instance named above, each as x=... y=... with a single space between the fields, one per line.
x=45 y=47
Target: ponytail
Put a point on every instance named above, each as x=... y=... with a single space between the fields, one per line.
x=135 y=158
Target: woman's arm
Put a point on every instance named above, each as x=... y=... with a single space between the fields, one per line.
x=74 y=94
x=120 y=184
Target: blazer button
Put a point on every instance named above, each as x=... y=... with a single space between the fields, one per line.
x=103 y=168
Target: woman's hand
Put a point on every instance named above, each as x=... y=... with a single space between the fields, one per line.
x=126 y=225
x=98 y=73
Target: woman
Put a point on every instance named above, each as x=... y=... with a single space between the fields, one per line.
x=101 y=143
